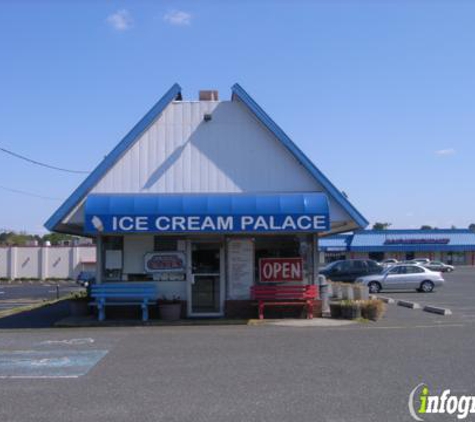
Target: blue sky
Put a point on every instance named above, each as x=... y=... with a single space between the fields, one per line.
x=379 y=94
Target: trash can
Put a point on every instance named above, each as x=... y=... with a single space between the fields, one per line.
x=324 y=293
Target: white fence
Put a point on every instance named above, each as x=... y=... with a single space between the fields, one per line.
x=45 y=262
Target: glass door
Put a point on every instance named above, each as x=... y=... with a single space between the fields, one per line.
x=206 y=282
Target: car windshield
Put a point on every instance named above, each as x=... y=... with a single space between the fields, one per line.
x=330 y=265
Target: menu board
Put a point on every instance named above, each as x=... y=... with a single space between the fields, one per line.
x=240 y=268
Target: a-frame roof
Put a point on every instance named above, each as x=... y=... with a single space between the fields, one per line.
x=174 y=93
x=264 y=118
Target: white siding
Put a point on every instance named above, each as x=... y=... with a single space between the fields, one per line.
x=4 y=252
x=180 y=153
x=135 y=247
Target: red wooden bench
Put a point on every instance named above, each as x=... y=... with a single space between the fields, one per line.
x=285 y=295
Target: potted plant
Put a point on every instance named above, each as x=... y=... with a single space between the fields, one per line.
x=350 y=309
x=337 y=290
x=373 y=309
x=335 y=309
x=170 y=309
x=79 y=304
x=347 y=291
x=360 y=292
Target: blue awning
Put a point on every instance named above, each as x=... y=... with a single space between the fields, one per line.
x=338 y=243
x=218 y=213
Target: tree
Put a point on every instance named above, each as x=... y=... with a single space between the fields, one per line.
x=381 y=226
x=12 y=238
x=426 y=227
x=56 y=238
x=472 y=227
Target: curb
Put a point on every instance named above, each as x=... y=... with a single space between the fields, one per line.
x=90 y=321
x=437 y=310
x=407 y=304
x=385 y=299
x=19 y=309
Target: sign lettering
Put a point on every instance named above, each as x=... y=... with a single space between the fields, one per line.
x=206 y=223
x=280 y=270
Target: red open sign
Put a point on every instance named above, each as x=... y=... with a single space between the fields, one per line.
x=278 y=270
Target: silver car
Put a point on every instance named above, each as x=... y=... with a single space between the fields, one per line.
x=403 y=277
x=439 y=266
x=419 y=261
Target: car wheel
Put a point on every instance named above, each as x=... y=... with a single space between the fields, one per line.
x=427 y=286
x=374 y=287
x=449 y=270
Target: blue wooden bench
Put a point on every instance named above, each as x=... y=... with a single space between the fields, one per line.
x=124 y=294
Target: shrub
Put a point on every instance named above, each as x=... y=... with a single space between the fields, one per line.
x=350 y=309
x=373 y=309
x=335 y=309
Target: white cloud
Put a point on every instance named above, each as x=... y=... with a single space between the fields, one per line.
x=120 y=20
x=445 y=152
x=177 y=17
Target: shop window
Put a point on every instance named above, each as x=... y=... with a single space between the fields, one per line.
x=164 y=244
x=284 y=247
x=456 y=258
x=112 y=257
x=333 y=256
x=376 y=256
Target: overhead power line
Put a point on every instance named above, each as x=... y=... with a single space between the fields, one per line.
x=22 y=192
x=38 y=163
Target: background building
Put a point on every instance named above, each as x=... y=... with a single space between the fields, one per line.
x=452 y=246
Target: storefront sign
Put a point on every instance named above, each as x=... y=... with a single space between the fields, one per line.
x=420 y=241
x=206 y=223
x=165 y=262
x=279 y=270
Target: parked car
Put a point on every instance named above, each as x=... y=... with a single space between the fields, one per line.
x=403 y=277
x=389 y=262
x=439 y=266
x=350 y=269
x=419 y=261
x=86 y=278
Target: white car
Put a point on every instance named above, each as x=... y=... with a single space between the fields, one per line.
x=389 y=262
x=419 y=261
x=403 y=277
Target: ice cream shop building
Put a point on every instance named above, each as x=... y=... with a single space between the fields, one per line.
x=206 y=199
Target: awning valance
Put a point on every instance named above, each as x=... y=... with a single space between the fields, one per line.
x=217 y=213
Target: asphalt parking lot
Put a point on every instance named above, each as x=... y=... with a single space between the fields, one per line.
x=458 y=295
x=363 y=372
x=17 y=294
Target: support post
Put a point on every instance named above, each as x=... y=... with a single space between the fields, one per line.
x=44 y=255
x=12 y=263
x=99 y=264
